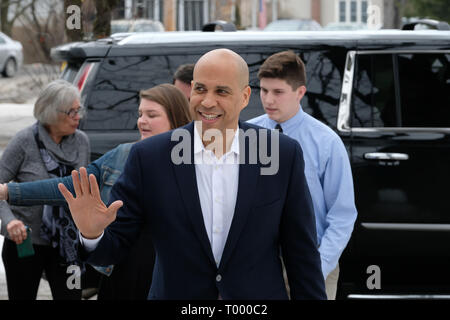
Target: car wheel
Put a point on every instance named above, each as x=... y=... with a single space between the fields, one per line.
x=10 y=68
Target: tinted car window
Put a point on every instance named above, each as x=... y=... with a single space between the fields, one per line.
x=70 y=72
x=373 y=96
x=114 y=97
x=324 y=70
x=424 y=89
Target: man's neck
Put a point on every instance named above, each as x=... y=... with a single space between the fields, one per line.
x=290 y=116
x=216 y=140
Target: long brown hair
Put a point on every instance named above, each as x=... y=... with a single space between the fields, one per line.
x=173 y=101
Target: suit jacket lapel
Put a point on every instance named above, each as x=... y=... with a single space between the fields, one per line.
x=248 y=179
x=187 y=183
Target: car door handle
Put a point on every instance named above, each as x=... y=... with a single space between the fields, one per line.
x=386 y=156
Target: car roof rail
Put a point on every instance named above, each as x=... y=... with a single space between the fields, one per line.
x=439 y=25
x=218 y=25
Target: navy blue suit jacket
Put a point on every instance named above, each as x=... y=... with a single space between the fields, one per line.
x=272 y=212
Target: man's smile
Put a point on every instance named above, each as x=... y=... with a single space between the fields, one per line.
x=209 y=117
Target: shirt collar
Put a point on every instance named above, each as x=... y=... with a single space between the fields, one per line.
x=200 y=147
x=290 y=123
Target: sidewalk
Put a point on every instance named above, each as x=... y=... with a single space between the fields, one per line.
x=14 y=117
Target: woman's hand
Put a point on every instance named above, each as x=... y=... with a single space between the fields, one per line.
x=3 y=191
x=16 y=230
x=89 y=213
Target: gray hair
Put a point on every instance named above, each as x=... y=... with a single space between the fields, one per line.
x=58 y=95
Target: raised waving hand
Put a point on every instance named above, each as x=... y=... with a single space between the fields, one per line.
x=90 y=214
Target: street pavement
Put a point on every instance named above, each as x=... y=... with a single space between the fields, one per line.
x=27 y=83
x=14 y=117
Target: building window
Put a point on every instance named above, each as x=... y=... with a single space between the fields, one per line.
x=119 y=11
x=192 y=14
x=342 y=11
x=364 y=12
x=353 y=11
x=155 y=9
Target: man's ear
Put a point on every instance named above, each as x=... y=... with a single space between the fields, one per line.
x=301 y=92
x=246 y=92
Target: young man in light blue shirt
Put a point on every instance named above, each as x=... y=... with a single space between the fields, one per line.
x=327 y=168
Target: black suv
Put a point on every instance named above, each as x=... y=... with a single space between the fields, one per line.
x=386 y=94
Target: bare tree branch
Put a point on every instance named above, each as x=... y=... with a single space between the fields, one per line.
x=21 y=11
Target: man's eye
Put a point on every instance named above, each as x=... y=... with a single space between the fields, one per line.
x=199 y=89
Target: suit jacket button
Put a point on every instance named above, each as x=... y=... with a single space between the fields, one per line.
x=218 y=278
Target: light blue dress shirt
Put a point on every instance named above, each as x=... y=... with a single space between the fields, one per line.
x=329 y=177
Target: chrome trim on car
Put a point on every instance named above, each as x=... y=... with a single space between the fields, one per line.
x=406 y=226
x=399 y=130
x=310 y=37
x=400 y=51
x=343 y=119
x=386 y=156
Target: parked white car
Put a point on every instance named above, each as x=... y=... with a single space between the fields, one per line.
x=138 y=25
x=11 y=55
x=293 y=25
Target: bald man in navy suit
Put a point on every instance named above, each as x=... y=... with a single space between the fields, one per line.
x=220 y=217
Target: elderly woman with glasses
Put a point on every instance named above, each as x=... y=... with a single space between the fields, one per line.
x=52 y=147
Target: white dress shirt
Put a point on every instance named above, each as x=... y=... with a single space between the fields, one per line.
x=217 y=183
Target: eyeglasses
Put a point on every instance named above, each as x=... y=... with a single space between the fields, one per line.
x=72 y=113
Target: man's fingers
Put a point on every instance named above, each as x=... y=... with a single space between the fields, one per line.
x=66 y=193
x=84 y=181
x=94 y=187
x=114 y=207
x=76 y=183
